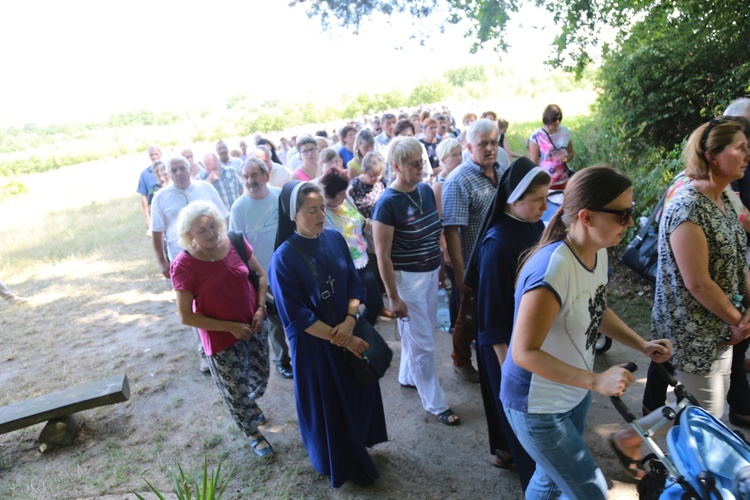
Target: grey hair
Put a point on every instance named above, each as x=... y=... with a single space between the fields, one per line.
x=480 y=127
x=177 y=159
x=214 y=155
x=253 y=161
x=402 y=148
x=739 y=107
x=373 y=161
x=154 y=146
x=266 y=150
x=192 y=212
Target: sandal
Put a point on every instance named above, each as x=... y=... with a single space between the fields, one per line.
x=257 y=415
x=261 y=452
x=448 y=417
x=504 y=463
x=634 y=468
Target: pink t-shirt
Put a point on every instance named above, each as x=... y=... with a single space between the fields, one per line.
x=220 y=289
x=302 y=175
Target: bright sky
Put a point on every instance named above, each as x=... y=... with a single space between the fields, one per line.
x=85 y=60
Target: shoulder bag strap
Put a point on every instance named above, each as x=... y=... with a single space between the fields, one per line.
x=554 y=146
x=644 y=230
x=324 y=294
x=238 y=243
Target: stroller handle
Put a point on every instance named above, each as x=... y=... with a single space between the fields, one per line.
x=617 y=402
x=667 y=371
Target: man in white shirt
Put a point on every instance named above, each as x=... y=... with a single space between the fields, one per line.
x=255 y=214
x=278 y=173
x=166 y=206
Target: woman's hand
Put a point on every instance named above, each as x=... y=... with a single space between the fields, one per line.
x=737 y=335
x=357 y=346
x=399 y=308
x=241 y=331
x=257 y=322
x=740 y=331
x=613 y=382
x=659 y=350
x=342 y=333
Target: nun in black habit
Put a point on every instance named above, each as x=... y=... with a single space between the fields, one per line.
x=512 y=226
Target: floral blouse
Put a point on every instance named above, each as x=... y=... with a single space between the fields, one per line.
x=365 y=195
x=695 y=331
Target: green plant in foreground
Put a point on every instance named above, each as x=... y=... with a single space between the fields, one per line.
x=206 y=488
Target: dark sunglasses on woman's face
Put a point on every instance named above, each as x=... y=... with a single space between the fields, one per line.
x=623 y=216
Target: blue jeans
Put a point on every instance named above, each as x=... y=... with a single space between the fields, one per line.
x=564 y=465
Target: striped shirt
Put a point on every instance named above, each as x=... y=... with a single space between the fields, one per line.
x=228 y=185
x=416 y=235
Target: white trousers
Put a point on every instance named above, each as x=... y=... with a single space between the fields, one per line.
x=711 y=389
x=418 y=364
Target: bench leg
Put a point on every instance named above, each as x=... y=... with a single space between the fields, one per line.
x=59 y=432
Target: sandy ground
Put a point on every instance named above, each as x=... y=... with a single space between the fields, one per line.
x=175 y=414
x=98 y=308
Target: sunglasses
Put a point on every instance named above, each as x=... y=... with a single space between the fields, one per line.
x=623 y=216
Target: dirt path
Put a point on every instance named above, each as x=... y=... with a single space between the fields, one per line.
x=98 y=308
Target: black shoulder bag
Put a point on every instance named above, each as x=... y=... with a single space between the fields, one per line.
x=642 y=254
x=377 y=358
x=238 y=242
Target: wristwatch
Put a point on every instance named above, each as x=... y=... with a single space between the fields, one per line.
x=355 y=316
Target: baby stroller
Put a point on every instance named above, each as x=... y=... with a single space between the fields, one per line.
x=706 y=460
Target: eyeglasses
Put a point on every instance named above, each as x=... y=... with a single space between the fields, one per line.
x=308 y=151
x=415 y=164
x=707 y=132
x=623 y=216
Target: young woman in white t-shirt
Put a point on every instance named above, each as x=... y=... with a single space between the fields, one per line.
x=560 y=309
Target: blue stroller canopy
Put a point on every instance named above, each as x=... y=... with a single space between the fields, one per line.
x=701 y=442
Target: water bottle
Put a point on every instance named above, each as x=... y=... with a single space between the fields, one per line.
x=443 y=311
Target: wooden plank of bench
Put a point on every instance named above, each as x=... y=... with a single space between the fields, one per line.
x=65 y=402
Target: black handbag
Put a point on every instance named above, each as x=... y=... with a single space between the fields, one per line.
x=238 y=242
x=377 y=358
x=642 y=254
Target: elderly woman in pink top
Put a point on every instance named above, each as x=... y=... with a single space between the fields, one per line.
x=215 y=296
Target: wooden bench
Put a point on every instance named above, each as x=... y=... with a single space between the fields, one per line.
x=60 y=404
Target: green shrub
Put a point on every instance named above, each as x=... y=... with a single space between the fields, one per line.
x=201 y=486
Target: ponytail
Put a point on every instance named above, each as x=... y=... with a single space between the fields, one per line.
x=591 y=188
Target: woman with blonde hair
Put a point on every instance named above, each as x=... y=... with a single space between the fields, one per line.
x=702 y=270
x=215 y=296
x=407 y=231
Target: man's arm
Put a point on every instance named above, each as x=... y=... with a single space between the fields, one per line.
x=146 y=211
x=453 y=242
x=157 y=240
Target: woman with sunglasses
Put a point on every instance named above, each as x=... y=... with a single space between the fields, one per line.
x=702 y=270
x=407 y=228
x=560 y=307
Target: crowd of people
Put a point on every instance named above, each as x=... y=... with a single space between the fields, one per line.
x=291 y=243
